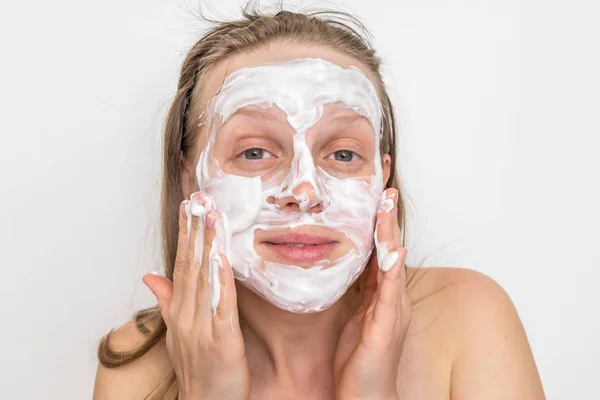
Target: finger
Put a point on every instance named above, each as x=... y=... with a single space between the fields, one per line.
x=181 y=254
x=207 y=288
x=391 y=290
x=190 y=265
x=371 y=281
x=405 y=303
x=226 y=322
x=162 y=288
x=370 y=285
x=386 y=239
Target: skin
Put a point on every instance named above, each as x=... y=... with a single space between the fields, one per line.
x=448 y=334
x=338 y=129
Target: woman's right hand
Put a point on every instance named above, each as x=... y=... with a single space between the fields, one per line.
x=205 y=345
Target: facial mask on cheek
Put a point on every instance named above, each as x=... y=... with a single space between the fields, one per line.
x=300 y=88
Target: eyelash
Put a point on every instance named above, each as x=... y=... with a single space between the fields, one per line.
x=353 y=157
x=245 y=153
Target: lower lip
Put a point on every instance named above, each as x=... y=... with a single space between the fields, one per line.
x=302 y=253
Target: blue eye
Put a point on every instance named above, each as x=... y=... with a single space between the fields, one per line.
x=256 y=154
x=344 y=155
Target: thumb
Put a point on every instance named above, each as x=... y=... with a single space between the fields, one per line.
x=161 y=287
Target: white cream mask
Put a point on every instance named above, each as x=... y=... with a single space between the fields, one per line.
x=300 y=88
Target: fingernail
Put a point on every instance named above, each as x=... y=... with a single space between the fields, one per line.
x=198 y=196
x=155 y=273
x=182 y=209
x=209 y=219
x=386 y=203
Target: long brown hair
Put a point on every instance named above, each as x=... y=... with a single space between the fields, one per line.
x=334 y=29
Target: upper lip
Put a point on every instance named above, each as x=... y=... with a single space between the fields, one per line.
x=298 y=238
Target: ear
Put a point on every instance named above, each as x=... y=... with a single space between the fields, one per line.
x=188 y=183
x=386 y=167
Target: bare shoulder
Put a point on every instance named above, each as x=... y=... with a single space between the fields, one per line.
x=447 y=302
x=456 y=287
x=473 y=315
x=468 y=304
x=134 y=380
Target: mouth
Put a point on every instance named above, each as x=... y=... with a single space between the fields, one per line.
x=300 y=248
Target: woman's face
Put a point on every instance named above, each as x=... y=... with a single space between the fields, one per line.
x=289 y=155
x=257 y=142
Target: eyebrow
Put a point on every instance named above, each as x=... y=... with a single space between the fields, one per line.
x=262 y=116
x=259 y=115
x=346 y=118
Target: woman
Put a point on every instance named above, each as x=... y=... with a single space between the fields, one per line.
x=283 y=226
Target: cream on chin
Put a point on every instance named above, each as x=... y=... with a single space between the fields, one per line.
x=300 y=88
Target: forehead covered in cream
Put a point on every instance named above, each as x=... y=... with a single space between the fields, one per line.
x=270 y=53
x=300 y=88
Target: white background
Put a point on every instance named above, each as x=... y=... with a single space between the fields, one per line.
x=499 y=111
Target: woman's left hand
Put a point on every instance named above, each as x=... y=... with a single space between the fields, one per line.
x=370 y=346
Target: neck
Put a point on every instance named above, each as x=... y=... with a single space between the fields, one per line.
x=292 y=350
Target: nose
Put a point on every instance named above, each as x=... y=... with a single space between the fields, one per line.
x=304 y=198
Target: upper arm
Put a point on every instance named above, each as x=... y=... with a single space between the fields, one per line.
x=493 y=358
x=136 y=379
